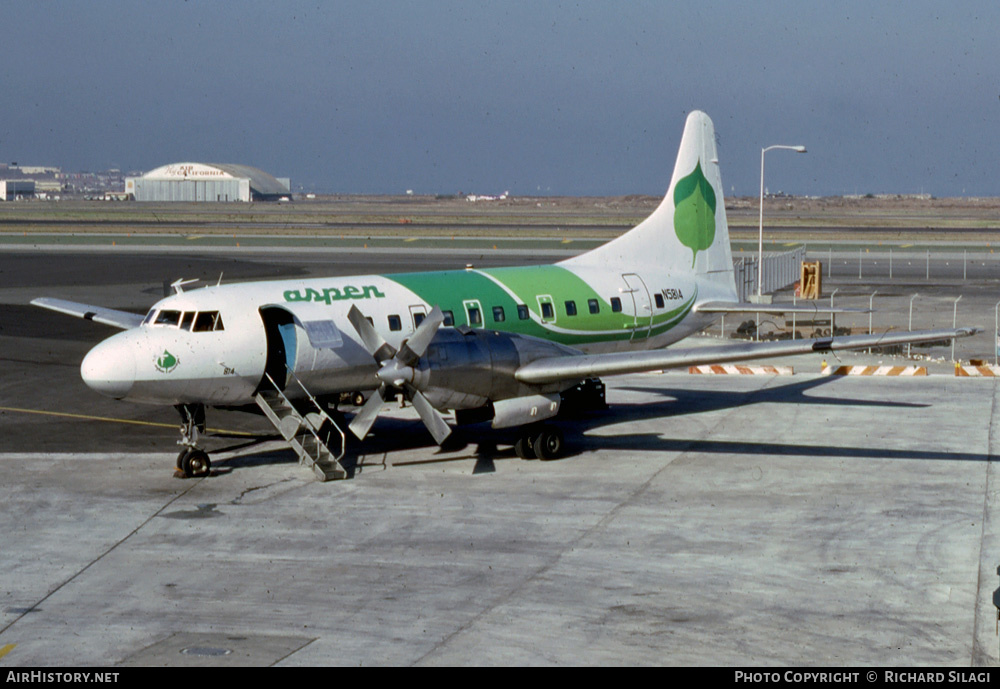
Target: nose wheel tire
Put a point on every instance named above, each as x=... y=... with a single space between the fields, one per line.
x=194 y=463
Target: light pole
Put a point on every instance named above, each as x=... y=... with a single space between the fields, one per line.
x=760 y=242
x=910 y=325
x=954 y=321
x=871 y=301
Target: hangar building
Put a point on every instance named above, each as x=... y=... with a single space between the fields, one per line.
x=11 y=189
x=206 y=182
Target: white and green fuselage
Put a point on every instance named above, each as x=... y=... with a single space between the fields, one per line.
x=587 y=309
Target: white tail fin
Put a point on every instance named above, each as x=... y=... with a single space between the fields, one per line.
x=688 y=231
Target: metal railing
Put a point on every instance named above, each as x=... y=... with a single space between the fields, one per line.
x=780 y=271
x=319 y=411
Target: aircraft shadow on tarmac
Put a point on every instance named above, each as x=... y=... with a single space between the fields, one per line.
x=483 y=444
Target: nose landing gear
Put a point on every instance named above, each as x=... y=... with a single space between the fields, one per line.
x=192 y=462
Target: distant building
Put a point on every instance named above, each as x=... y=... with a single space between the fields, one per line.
x=46 y=178
x=206 y=182
x=12 y=189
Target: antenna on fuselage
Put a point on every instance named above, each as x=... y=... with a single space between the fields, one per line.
x=178 y=284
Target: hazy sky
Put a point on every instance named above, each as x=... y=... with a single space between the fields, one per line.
x=533 y=97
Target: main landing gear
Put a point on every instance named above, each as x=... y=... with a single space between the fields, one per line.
x=540 y=442
x=192 y=461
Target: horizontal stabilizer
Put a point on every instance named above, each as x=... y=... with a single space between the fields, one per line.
x=809 y=308
x=98 y=314
x=590 y=366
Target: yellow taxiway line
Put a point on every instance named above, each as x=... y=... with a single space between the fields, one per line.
x=106 y=419
x=4 y=650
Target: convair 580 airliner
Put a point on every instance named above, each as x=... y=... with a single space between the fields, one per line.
x=503 y=345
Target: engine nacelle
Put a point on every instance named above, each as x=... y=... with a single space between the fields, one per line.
x=464 y=369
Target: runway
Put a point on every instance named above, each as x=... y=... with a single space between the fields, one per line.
x=728 y=520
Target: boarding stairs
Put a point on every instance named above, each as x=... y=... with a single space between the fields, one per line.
x=308 y=434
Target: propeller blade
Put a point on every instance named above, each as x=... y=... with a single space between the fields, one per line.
x=430 y=416
x=397 y=370
x=415 y=347
x=376 y=346
x=363 y=420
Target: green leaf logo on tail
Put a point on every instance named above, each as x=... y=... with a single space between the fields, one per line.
x=694 y=212
x=167 y=362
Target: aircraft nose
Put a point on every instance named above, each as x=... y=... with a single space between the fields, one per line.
x=109 y=368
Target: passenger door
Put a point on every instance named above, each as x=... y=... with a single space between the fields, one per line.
x=642 y=305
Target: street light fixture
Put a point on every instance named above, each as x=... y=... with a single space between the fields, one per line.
x=760 y=241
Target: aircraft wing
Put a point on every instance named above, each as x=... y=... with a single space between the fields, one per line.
x=809 y=308
x=555 y=369
x=98 y=314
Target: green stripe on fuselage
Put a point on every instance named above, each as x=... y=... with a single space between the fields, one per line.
x=509 y=287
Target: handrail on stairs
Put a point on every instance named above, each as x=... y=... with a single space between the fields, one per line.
x=322 y=413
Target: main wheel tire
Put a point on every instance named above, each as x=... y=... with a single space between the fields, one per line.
x=549 y=444
x=524 y=447
x=196 y=463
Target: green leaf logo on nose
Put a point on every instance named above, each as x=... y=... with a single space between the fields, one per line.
x=167 y=362
x=694 y=212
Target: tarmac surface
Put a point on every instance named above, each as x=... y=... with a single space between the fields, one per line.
x=700 y=520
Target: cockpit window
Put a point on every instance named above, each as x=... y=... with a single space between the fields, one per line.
x=207 y=321
x=166 y=317
x=200 y=322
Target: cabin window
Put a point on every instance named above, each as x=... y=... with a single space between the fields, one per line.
x=395 y=323
x=449 y=318
x=418 y=318
x=594 y=306
x=659 y=300
x=474 y=316
x=207 y=321
x=547 y=311
x=571 y=308
x=498 y=315
x=616 y=304
x=522 y=312
x=167 y=318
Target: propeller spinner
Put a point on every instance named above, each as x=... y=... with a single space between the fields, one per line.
x=396 y=369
